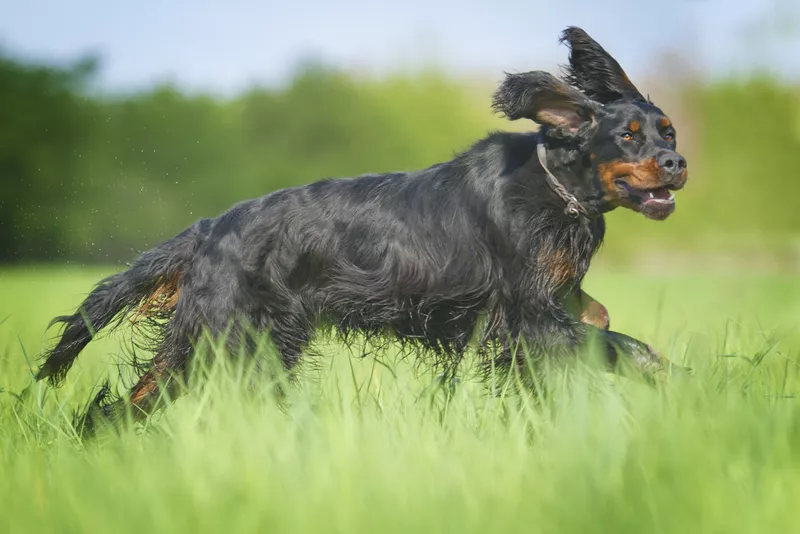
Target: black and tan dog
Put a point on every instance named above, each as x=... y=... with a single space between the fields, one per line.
x=505 y=231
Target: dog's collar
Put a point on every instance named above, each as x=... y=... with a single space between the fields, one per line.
x=574 y=208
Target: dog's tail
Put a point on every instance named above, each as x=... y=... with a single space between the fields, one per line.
x=153 y=280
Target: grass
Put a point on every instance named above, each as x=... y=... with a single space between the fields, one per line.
x=363 y=447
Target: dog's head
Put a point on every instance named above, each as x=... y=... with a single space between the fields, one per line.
x=626 y=140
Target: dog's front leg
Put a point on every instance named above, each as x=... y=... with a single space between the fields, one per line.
x=593 y=313
x=582 y=306
x=624 y=350
x=618 y=346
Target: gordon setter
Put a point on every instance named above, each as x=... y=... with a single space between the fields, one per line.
x=503 y=232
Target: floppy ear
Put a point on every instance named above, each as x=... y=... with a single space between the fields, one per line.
x=592 y=70
x=543 y=98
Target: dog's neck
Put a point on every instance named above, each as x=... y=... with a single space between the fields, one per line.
x=572 y=168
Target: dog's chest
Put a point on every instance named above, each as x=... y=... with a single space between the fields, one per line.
x=559 y=266
x=564 y=257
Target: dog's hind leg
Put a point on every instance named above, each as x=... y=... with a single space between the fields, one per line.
x=160 y=384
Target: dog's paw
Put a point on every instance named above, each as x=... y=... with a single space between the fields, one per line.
x=635 y=352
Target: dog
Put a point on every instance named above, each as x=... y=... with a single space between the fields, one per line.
x=502 y=234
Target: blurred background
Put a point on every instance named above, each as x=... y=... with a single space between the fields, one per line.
x=122 y=123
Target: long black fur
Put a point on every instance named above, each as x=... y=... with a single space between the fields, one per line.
x=592 y=70
x=420 y=256
x=116 y=297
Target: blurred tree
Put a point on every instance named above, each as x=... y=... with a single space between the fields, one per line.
x=90 y=177
x=43 y=127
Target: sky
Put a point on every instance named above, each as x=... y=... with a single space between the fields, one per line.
x=227 y=45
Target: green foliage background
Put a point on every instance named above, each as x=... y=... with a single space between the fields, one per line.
x=90 y=177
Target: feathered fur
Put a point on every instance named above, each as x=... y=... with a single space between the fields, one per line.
x=415 y=256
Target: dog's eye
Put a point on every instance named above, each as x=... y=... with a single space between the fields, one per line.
x=627 y=136
x=669 y=137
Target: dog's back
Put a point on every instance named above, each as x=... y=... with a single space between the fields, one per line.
x=419 y=255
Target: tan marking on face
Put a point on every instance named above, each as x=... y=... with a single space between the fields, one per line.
x=639 y=175
x=684 y=177
x=592 y=156
x=634 y=126
x=664 y=122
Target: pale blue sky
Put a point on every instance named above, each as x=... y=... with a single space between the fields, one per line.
x=223 y=45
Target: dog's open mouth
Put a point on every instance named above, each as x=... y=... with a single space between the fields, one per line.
x=657 y=203
x=658 y=196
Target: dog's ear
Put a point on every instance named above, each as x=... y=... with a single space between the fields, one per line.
x=592 y=70
x=543 y=98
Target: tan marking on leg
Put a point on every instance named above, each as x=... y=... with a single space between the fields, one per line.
x=165 y=297
x=146 y=391
x=594 y=313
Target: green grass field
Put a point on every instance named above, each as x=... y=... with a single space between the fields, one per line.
x=365 y=447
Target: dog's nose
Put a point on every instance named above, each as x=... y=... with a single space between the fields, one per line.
x=672 y=162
